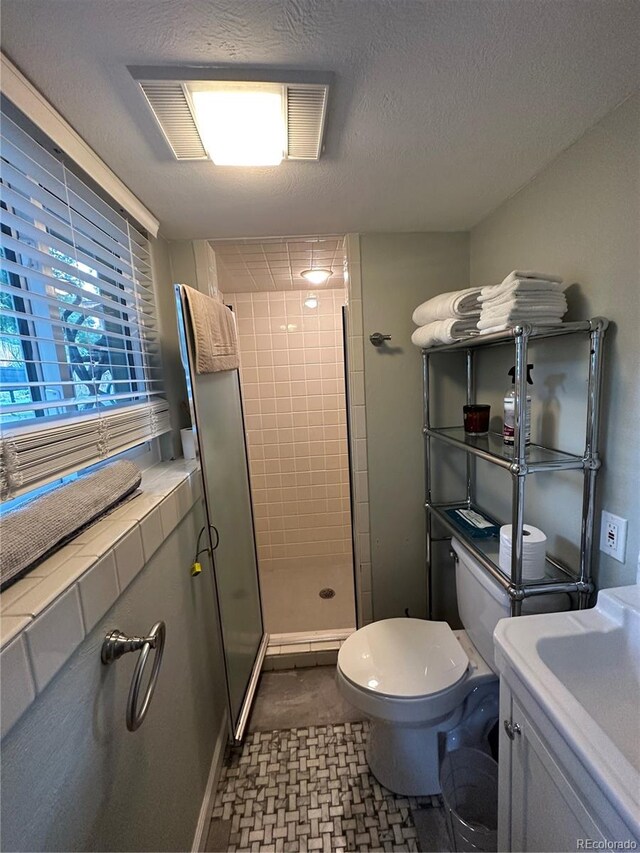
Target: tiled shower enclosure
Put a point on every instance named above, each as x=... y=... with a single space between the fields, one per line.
x=292 y=375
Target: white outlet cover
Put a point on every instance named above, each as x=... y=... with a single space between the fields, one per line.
x=617 y=549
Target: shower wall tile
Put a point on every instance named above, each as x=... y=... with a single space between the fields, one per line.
x=293 y=385
x=358 y=418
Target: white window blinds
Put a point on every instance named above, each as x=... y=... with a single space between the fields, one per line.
x=80 y=375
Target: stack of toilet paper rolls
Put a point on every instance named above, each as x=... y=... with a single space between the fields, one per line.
x=534 y=549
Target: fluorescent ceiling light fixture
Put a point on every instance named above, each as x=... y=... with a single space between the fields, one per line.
x=241 y=124
x=198 y=126
x=317 y=275
x=311 y=301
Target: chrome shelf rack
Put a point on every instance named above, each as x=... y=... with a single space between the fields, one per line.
x=521 y=461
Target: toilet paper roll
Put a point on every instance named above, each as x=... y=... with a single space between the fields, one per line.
x=534 y=549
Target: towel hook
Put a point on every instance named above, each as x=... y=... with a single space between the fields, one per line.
x=377 y=339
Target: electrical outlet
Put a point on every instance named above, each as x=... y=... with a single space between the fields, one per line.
x=613 y=536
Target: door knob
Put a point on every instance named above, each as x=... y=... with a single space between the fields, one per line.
x=377 y=339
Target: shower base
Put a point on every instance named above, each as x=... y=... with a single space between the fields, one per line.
x=305 y=648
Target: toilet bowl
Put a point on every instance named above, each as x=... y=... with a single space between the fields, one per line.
x=425 y=687
x=411 y=697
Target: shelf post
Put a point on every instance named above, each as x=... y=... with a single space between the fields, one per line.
x=518 y=473
x=591 y=455
x=427 y=480
x=471 y=398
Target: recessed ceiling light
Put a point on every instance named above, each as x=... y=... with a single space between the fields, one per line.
x=317 y=275
x=241 y=124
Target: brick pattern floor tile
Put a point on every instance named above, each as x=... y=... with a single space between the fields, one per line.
x=311 y=789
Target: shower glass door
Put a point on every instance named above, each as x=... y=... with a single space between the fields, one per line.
x=216 y=411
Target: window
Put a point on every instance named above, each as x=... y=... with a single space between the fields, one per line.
x=80 y=377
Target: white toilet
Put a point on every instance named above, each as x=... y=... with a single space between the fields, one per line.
x=421 y=683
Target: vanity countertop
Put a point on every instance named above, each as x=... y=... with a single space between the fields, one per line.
x=583 y=668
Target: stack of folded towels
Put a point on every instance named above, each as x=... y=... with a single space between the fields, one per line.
x=447 y=318
x=523 y=297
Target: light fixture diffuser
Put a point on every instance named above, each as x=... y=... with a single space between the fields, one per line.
x=241 y=124
x=317 y=275
x=170 y=90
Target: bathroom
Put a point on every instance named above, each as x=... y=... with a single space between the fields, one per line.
x=459 y=142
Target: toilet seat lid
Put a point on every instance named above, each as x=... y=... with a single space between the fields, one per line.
x=403 y=657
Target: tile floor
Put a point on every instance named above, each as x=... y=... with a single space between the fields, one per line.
x=301 y=780
x=310 y=789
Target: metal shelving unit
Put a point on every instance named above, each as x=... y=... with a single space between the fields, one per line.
x=520 y=461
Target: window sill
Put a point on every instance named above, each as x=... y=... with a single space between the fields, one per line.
x=46 y=615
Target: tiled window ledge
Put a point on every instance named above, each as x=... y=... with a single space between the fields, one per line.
x=45 y=616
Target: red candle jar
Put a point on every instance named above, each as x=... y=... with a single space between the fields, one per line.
x=476 y=419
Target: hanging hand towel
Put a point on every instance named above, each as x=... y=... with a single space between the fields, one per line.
x=445 y=306
x=214 y=333
x=444 y=332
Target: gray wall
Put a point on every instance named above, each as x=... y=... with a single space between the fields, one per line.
x=580 y=218
x=399 y=271
x=73 y=777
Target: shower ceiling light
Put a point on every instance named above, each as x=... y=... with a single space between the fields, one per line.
x=317 y=275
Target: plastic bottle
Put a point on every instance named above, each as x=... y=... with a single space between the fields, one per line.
x=509 y=428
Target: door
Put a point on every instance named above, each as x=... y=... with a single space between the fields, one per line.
x=546 y=813
x=216 y=411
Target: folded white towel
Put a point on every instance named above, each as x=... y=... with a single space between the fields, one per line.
x=459 y=303
x=444 y=331
x=544 y=276
x=524 y=298
x=520 y=285
x=504 y=326
x=541 y=319
x=509 y=311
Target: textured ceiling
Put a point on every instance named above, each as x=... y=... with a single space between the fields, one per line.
x=441 y=108
x=276 y=264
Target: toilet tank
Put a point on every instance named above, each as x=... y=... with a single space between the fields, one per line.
x=482 y=602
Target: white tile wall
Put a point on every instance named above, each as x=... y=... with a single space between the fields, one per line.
x=16 y=671
x=99 y=590
x=46 y=615
x=292 y=372
x=358 y=417
x=54 y=636
x=129 y=556
x=151 y=529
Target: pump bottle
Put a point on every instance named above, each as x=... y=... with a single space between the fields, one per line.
x=509 y=428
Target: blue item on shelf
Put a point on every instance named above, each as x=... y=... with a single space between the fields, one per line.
x=474 y=523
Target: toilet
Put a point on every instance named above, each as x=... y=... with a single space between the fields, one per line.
x=425 y=687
